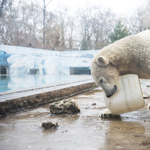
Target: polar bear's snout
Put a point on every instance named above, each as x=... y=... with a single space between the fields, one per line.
x=112 y=92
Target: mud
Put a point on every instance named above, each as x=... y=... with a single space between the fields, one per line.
x=81 y=131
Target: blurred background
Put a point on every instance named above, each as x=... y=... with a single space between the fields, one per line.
x=48 y=42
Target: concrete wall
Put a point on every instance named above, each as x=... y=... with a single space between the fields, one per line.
x=17 y=104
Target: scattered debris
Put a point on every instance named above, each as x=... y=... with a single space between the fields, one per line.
x=49 y=125
x=146 y=95
x=137 y=135
x=93 y=103
x=145 y=143
x=119 y=147
x=65 y=131
x=90 y=104
x=87 y=107
x=66 y=106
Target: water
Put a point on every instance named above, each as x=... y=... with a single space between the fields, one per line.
x=21 y=82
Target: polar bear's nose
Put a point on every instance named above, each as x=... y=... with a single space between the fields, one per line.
x=108 y=96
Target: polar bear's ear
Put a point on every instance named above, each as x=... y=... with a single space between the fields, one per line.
x=102 y=61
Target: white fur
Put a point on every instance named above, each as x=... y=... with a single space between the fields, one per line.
x=106 y=113
x=130 y=55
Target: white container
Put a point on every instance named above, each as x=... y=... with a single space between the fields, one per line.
x=129 y=96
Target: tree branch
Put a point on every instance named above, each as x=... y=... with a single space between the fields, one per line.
x=1 y=7
x=48 y=3
x=18 y=6
x=39 y=5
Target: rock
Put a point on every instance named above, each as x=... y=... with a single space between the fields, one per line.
x=49 y=125
x=92 y=103
x=66 y=106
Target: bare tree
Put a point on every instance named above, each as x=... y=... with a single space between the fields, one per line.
x=103 y=23
x=8 y=27
x=85 y=24
x=140 y=20
x=71 y=28
x=62 y=16
x=44 y=19
x=2 y=3
x=30 y=21
x=95 y=25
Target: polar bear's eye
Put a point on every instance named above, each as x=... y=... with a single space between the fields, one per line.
x=101 y=80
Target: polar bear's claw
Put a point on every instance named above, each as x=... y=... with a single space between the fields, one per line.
x=107 y=114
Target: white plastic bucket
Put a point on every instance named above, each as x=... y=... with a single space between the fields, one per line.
x=129 y=96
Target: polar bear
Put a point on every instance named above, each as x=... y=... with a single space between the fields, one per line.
x=130 y=55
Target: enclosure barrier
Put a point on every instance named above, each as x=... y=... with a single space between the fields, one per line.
x=26 y=102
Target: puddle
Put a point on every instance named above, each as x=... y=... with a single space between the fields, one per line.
x=84 y=130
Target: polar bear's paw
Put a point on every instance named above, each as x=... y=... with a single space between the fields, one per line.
x=148 y=107
x=107 y=114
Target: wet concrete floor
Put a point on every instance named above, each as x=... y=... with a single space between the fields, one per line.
x=81 y=131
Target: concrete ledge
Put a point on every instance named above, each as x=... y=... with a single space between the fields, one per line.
x=29 y=101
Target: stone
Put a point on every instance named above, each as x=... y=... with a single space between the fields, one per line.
x=49 y=125
x=66 y=106
x=92 y=103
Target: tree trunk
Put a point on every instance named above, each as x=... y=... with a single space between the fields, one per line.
x=44 y=24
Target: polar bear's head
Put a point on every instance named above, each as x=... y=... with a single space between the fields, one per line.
x=105 y=75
